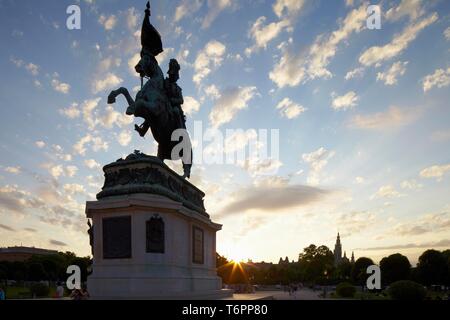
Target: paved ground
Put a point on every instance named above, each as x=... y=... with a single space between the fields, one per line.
x=303 y=294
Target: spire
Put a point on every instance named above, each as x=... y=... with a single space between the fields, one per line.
x=353 y=257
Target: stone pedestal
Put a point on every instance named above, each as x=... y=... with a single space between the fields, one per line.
x=152 y=238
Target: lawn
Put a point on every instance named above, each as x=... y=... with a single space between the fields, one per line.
x=23 y=293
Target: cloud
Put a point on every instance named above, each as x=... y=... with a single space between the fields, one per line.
x=290 y=109
x=355 y=73
x=132 y=18
x=387 y=191
x=212 y=92
x=287 y=7
x=57 y=243
x=434 y=244
x=16 y=200
x=398 y=44
x=260 y=167
x=40 y=144
x=272 y=198
x=293 y=69
x=190 y=105
x=429 y=223
x=355 y=221
x=70 y=112
x=132 y=62
x=239 y=139
x=87 y=108
x=411 y=8
x=447 y=33
x=411 y=185
x=124 y=137
x=60 y=86
x=112 y=117
x=187 y=8
x=345 y=102
x=359 y=180
x=13 y=170
x=107 y=118
x=441 y=135
x=391 y=118
x=32 y=68
x=56 y=171
x=108 y=22
x=7 y=228
x=60 y=170
x=230 y=103
x=263 y=33
x=107 y=64
x=62 y=156
x=46 y=207
x=163 y=56
x=94 y=181
x=74 y=188
x=109 y=81
x=210 y=57
x=79 y=148
x=440 y=78
x=96 y=143
x=91 y=164
x=317 y=161
x=390 y=76
x=215 y=7
x=437 y=171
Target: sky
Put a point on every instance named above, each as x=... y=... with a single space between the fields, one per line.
x=360 y=118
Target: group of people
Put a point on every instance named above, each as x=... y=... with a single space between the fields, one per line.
x=293 y=288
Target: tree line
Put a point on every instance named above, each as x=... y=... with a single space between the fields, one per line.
x=315 y=266
x=50 y=267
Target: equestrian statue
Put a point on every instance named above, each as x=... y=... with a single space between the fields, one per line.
x=159 y=100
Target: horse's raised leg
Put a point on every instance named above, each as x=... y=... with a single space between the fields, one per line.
x=112 y=99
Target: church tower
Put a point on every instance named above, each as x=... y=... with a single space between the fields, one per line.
x=353 y=258
x=337 y=251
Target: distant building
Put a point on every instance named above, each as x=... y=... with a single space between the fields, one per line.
x=285 y=261
x=338 y=258
x=22 y=253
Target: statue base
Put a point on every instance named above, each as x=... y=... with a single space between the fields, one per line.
x=152 y=238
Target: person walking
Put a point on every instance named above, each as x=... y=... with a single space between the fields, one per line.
x=59 y=291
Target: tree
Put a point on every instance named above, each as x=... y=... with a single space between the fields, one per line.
x=432 y=267
x=407 y=290
x=37 y=272
x=316 y=263
x=446 y=254
x=359 y=271
x=394 y=267
x=344 y=270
